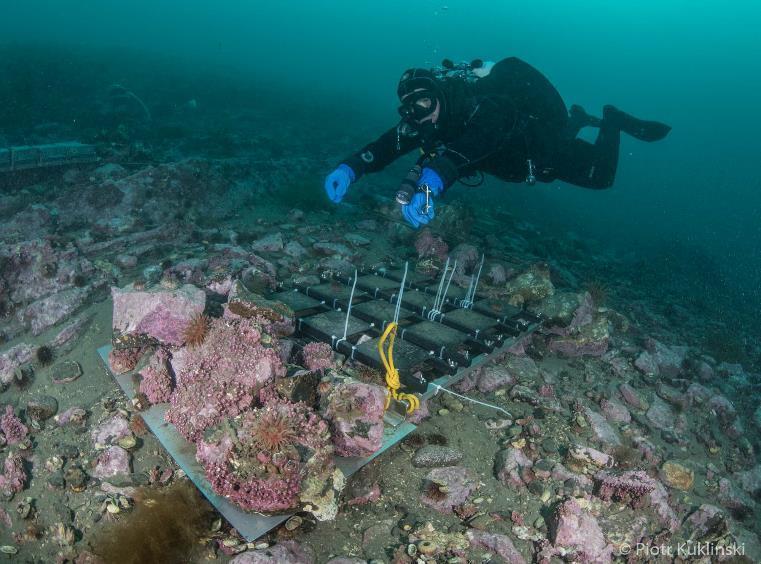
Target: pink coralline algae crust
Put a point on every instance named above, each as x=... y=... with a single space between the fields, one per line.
x=124 y=360
x=199 y=404
x=113 y=461
x=494 y=542
x=12 y=427
x=317 y=357
x=355 y=411
x=234 y=351
x=493 y=377
x=223 y=376
x=636 y=488
x=631 y=487
x=110 y=431
x=14 y=476
x=260 y=459
x=156 y=378
x=513 y=467
x=571 y=527
x=285 y=552
x=160 y=314
x=428 y=245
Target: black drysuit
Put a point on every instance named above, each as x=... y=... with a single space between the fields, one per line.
x=495 y=125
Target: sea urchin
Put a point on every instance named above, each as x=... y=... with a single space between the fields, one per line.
x=44 y=355
x=196 y=330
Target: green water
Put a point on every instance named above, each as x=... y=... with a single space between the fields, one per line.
x=694 y=198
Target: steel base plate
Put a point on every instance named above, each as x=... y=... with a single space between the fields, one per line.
x=250 y=525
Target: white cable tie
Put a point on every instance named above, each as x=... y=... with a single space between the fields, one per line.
x=492 y=406
x=348 y=309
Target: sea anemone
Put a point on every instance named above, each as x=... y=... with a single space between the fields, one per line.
x=44 y=355
x=598 y=290
x=272 y=432
x=196 y=330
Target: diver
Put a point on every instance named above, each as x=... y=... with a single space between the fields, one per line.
x=505 y=119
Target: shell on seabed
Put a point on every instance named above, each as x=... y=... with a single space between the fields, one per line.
x=127 y=442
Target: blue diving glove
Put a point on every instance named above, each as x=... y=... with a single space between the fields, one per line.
x=420 y=210
x=337 y=182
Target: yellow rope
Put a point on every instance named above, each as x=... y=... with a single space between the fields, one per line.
x=392 y=374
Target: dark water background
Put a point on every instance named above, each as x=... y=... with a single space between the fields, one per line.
x=683 y=212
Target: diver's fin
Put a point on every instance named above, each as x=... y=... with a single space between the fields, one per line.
x=638 y=128
x=578 y=118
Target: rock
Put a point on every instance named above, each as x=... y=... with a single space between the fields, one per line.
x=675 y=475
x=336 y=264
x=272 y=243
x=467 y=257
x=530 y=286
x=362 y=496
x=512 y=467
x=448 y=488
x=697 y=394
x=661 y=415
x=724 y=409
x=632 y=397
x=562 y=474
x=704 y=521
x=329 y=249
x=750 y=480
x=615 y=411
x=493 y=377
x=585 y=459
x=522 y=367
x=375 y=540
x=590 y=339
x=285 y=552
x=295 y=249
x=668 y=360
x=110 y=431
x=41 y=408
x=12 y=359
x=571 y=527
x=46 y=312
x=499 y=544
x=496 y=274
x=126 y=261
x=278 y=317
x=109 y=171
x=114 y=461
x=158 y=314
x=737 y=502
x=355 y=411
x=558 y=309
x=434 y=456
x=603 y=432
x=646 y=364
x=357 y=240
x=70 y=332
